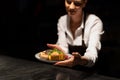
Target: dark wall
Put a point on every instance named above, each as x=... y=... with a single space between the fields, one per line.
x=16 y=26
x=109 y=61
x=27 y=25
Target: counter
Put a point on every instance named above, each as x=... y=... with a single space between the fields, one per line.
x=12 y=68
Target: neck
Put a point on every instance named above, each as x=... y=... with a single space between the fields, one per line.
x=75 y=21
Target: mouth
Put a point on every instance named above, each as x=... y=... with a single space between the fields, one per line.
x=71 y=12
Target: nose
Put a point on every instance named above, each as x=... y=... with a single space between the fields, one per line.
x=72 y=6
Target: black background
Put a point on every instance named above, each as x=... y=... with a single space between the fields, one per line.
x=27 y=25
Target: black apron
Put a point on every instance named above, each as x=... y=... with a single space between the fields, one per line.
x=81 y=49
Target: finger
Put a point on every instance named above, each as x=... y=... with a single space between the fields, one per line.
x=77 y=58
x=51 y=45
x=55 y=46
x=59 y=63
x=76 y=54
x=65 y=62
x=62 y=62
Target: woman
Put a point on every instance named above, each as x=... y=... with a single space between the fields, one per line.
x=79 y=34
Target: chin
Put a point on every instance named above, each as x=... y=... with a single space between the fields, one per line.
x=71 y=13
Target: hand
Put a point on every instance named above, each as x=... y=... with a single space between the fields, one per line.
x=74 y=60
x=55 y=46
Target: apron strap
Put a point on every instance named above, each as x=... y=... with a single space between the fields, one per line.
x=83 y=29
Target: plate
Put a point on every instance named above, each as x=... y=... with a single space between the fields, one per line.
x=48 y=61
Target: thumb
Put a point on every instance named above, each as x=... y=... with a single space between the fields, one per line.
x=76 y=54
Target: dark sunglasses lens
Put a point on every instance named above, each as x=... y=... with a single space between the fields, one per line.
x=77 y=3
x=69 y=1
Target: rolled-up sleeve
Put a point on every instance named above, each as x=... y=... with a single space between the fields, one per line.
x=94 y=44
x=62 y=41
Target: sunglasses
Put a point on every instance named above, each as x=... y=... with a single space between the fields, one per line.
x=76 y=3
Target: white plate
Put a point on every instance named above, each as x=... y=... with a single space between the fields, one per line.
x=48 y=61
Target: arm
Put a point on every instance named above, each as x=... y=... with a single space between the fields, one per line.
x=62 y=41
x=94 y=44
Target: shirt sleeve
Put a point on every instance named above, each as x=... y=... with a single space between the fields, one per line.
x=94 y=44
x=62 y=41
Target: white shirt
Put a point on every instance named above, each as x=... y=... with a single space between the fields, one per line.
x=92 y=35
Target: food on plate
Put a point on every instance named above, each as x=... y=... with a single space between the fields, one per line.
x=44 y=55
x=53 y=55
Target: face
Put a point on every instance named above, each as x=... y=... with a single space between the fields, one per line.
x=74 y=7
